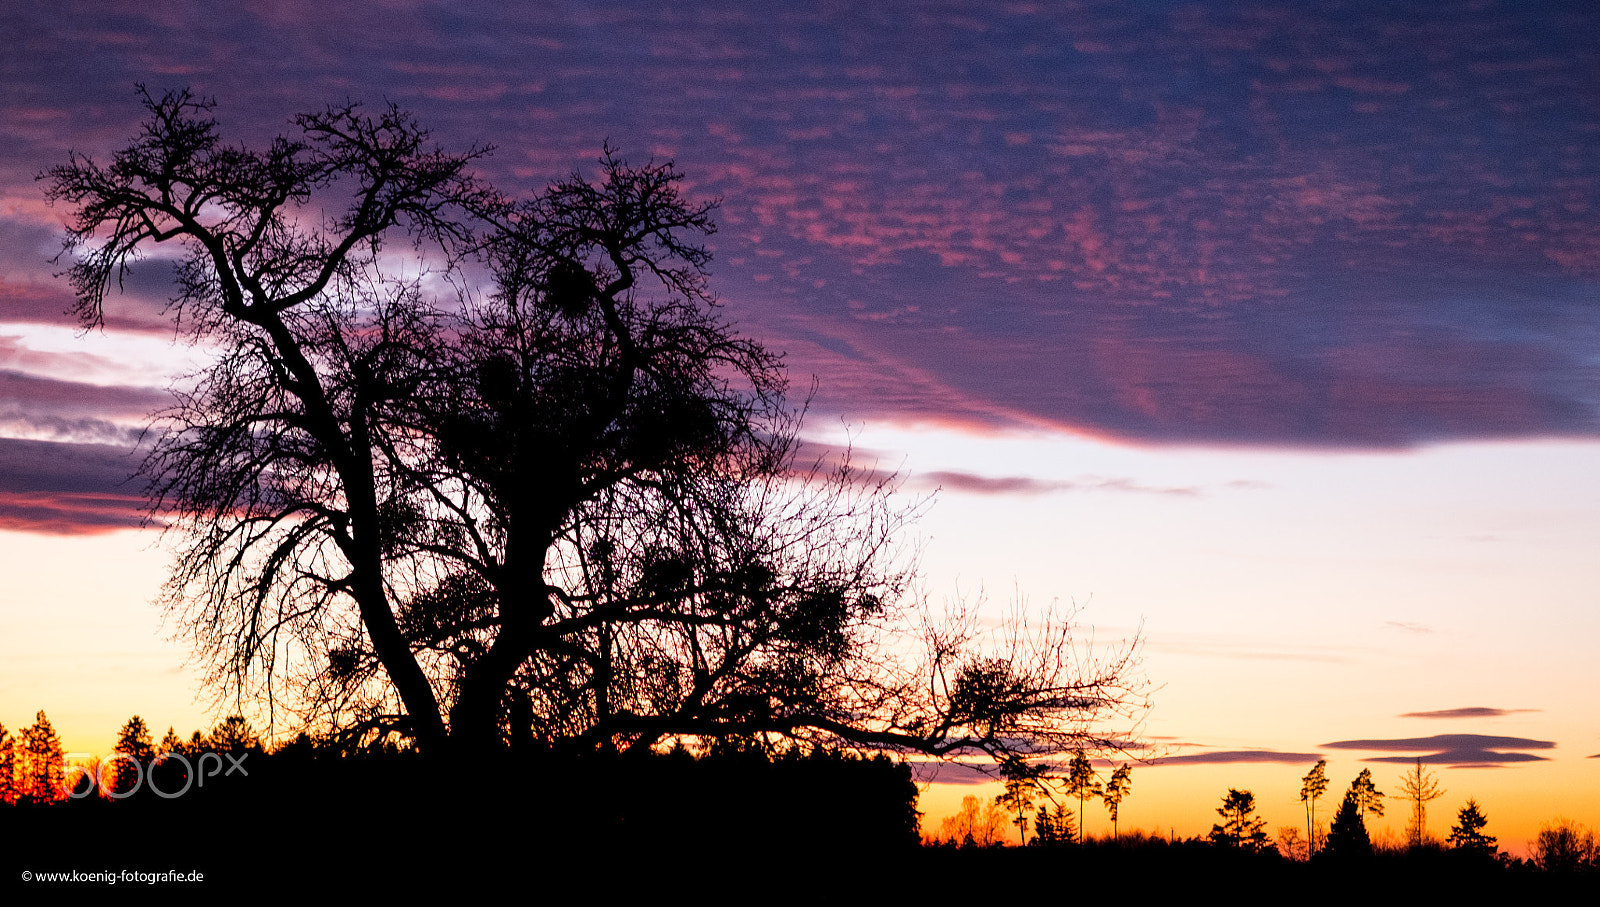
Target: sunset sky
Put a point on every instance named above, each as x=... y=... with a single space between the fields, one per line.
x=1271 y=327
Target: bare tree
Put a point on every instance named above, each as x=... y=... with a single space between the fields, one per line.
x=1564 y=846
x=1420 y=787
x=1291 y=844
x=529 y=485
x=267 y=465
x=979 y=823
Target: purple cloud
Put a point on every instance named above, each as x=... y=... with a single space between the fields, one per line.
x=73 y=410
x=1223 y=224
x=971 y=482
x=1469 y=712
x=1451 y=749
x=1232 y=757
x=928 y=772
x=67 y=489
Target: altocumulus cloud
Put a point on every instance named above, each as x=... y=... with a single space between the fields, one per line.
x=1191 y=223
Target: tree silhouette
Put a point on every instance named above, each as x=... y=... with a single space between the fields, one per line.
x=1564 y=846
x=41 y=766
x=8 y=767
x=1240 y=827
x=1053 y=826
x=1348 y=838
x=269 y=463
x=1022 y=780
x=1082 y=784
x=1367 y=796
x=1467 y=834
x=233 y=735
x=1420 y=787
x=1117 y=788
x=977 y=824
x=565 y=508
x=1312 y=787
x=167 y=772
x=172 y=743
x=1291 y=844
x=83 y=779
x=133 y=743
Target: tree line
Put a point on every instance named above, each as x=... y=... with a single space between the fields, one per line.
x=982 y=824
x=34 y=770
x=1560 y=846
x=32 y=764
x=734 y=797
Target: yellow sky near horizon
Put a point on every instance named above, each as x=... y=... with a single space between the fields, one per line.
x=1288 y=600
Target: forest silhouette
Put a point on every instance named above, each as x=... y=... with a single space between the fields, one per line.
x=750 y=811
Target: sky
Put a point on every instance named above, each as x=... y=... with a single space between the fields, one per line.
x=1267 y=331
